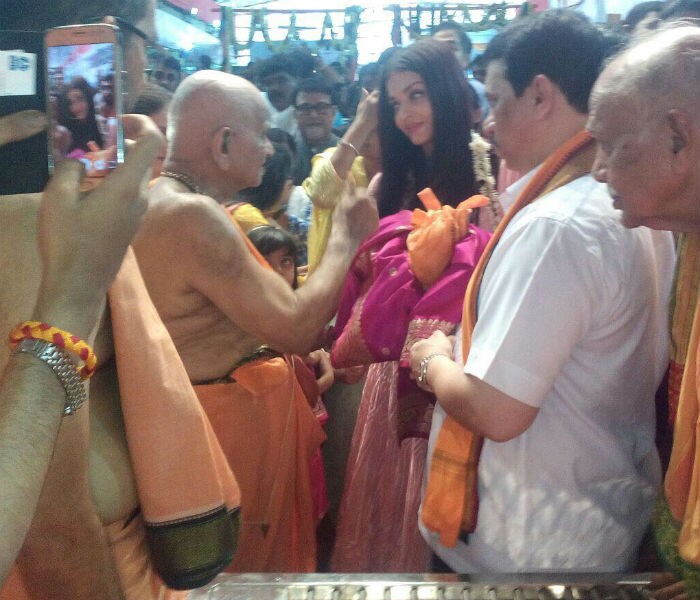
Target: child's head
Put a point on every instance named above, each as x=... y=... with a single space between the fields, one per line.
x=279 y=248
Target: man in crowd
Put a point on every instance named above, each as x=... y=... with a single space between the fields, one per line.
x=278 y=79
x=220 y=305
x=87 y=536
x=166 y=72
x=645 y=116
x=453 y=33
x=314 y=109
x=546 y=413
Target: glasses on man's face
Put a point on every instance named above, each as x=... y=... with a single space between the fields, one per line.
x=321 y=108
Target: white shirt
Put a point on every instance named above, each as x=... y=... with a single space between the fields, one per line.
x=283 y=119
x=573 y=321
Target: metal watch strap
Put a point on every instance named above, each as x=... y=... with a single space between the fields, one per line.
x=62 y=366
x=423 y=368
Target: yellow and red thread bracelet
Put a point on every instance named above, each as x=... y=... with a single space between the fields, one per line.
x=36 y=330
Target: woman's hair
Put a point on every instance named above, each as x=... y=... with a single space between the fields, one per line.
x=82 y=131
x=278 y=169
x=267 y=239
x=405 y=168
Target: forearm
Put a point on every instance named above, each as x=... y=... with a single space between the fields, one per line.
x=344 y=155
x=476 y=405
x=317 y=299
x=65 y=554
x=31 y=408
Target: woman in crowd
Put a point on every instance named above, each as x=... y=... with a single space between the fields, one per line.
x=426 y=140
x=76 y=112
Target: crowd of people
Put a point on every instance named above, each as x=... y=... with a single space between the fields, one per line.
x=254 y=252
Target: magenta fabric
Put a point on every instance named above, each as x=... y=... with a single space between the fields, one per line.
x=384 y=310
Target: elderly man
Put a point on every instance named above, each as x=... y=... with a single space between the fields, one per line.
x=100 y=497
x=646 y=119
x=542 y=444
x=230 y=317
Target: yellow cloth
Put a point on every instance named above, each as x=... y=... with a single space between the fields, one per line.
x=247 y=215
x=268 y=432
x=325 y=188
x=682 y=483
x=450 y=503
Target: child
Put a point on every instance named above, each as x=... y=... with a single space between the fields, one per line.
x=279 y=248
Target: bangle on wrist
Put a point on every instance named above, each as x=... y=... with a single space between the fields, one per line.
x=36 y=330
x=424 y=363
x=349 y=145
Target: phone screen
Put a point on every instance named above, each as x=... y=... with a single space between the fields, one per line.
x=84 y=106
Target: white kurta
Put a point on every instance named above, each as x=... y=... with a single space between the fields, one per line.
x=573 y=321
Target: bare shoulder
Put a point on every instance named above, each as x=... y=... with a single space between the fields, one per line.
x=20 y=265
x=184 y=216
x=190 y=229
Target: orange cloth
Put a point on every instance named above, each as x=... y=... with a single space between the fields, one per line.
x=686 y=288
x=682 y=483
x=186 y=489
x=450 y=503
x=268 y=433
x=137 y=579
x=180 y=470
x=436 y=230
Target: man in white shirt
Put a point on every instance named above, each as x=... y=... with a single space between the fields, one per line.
x=570 y=341
x=453 y=33
x=278 y=80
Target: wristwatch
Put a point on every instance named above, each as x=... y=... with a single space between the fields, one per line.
x=62 y=366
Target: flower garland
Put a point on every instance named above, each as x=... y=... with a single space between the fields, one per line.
x=482 y=170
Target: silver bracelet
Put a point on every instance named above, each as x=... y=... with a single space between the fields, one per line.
x=62 y=366
x=349 y=145
x=423 y=368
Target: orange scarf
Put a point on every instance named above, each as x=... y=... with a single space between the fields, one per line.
x=451 y=498
x=686 y=287
x=189 y=497
x=682 y=483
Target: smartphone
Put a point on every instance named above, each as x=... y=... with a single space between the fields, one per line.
x=84 y=94
x=23 y=164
